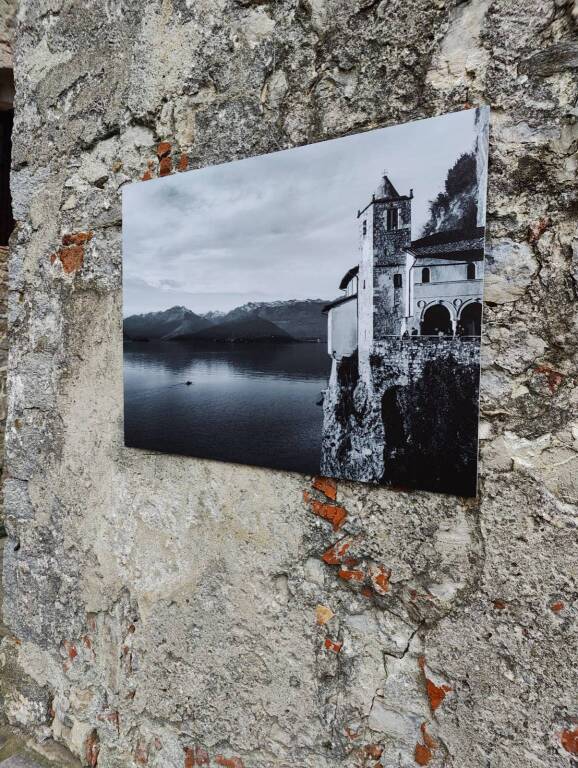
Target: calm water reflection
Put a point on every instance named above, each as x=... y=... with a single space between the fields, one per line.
x=247 y=403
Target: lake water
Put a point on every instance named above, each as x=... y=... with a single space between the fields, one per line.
x=247 y=403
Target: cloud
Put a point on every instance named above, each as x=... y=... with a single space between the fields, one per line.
x=277 y=226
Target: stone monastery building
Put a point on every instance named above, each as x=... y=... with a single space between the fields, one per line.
x=403 y=288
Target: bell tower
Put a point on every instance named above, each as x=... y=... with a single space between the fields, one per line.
x=384 y=236
x=391 y=222
x=391 y=239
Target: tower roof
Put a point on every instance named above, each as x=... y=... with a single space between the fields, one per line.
x=386 y=190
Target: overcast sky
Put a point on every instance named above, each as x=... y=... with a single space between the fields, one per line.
x=278 y=226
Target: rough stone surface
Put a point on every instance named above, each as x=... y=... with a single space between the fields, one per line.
x=7 y=12
x=3 y=346
x=164 y=609
x=17 y=761
x=417 y=409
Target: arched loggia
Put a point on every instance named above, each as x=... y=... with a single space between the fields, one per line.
x=436 y=320
x=470 y=320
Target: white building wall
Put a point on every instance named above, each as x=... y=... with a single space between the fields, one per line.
x=342 y=329
x=448 y=283
x=408 y=290
x=365 y=293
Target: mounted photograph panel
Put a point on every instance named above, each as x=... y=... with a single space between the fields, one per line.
x=317 y=310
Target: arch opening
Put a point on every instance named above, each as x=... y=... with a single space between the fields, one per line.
x=470 y=321
x=436 y=321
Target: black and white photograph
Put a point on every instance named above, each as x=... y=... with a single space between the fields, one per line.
x=317 y=310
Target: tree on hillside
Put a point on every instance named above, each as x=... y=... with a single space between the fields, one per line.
x=457 y=206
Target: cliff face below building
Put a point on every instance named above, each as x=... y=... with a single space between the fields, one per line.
x=410 y=419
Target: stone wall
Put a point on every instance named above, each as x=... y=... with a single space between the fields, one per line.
x=173 y=612
x=3 y=344
x=7 y=12
x=412 y=421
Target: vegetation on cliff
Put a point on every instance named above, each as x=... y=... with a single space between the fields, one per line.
x=457 y=206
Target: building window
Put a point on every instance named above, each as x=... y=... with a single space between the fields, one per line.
x=471 y=271
x=392 y=218
x=397 y=281
x=364 y=227
x=425 y=275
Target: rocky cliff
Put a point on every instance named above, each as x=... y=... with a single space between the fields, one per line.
x=414 y=424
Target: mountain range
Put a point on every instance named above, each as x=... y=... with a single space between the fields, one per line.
x=292 y=320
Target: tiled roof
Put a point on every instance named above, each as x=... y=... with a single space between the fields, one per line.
x=337 y=302
x=455 y=245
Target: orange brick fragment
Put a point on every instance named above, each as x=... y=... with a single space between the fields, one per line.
x=380 y=580
x=196 y=756
x=77 y=238
x=326 y=486
x=351 y=575
x=537 y=228
x=72 y=258
x=183 y=162
x=229 y=762
x=424 y=752
x=165 y=166
x=92 y=749
x=569 y=740
x=336 y=553
x=332 y=645
x=331 y=512
x=553 y=377
x=436 y=693
x=163 y=149
x=141 y=754
x=70 y=649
